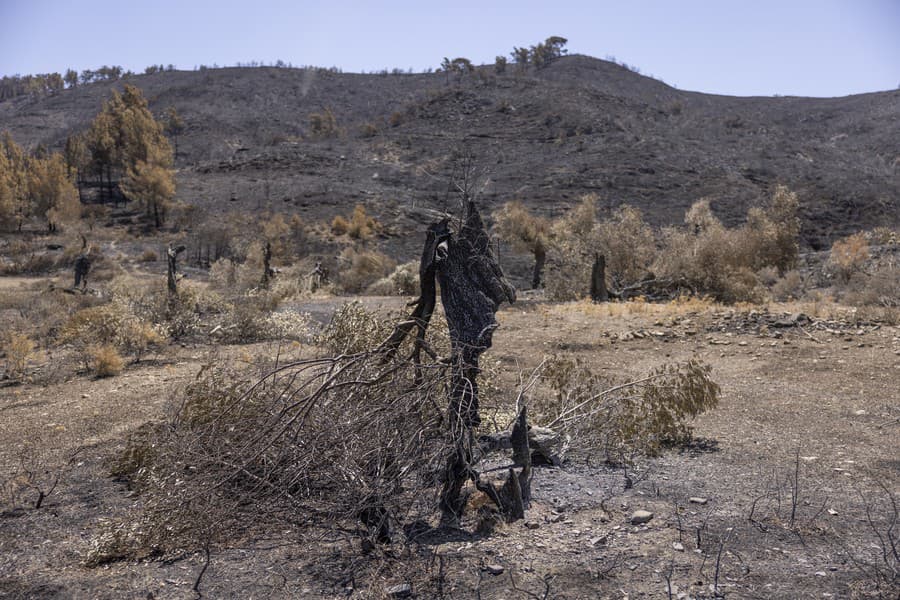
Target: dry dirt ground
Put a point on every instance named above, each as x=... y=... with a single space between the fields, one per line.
x=807 y=424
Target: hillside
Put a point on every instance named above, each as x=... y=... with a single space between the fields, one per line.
x=545 y=137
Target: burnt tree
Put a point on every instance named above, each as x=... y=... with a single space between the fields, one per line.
x=171 y=280
x=472 y=288
x=599 y=291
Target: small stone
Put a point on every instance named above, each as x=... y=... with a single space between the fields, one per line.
x=494 y=569
x=597 y=540
x=532 y=524
x=821 y=574
x=404 y=590
x=697 y=500
x=639 y=517
x=678 y=546
x=85 y=396
x=832 y=512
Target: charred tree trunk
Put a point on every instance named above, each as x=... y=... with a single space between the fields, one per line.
x=599 y=292
x=472 y=288
x=267 y=266
x=540 y=258
x=171 y=280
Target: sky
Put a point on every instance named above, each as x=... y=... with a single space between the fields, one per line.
x=744 y=48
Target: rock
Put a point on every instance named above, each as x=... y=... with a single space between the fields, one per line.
x=494 y=569
x=597 y=540
x=678 y=546
x=404 y=590
x=639 y=517
x=791 y=321
x=697 y=500
x=532 y=524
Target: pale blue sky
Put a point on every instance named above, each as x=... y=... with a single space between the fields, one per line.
x=749 y=47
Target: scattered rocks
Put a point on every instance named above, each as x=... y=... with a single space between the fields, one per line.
x=640 y=517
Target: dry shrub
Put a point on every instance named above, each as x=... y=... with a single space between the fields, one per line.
x=339 y=225
x=848 y=256
x=354 y=329
x=788 y=287
x=362 y=226
x=223 y=273
x=317 y=444
x=526 y=233
x=18 y=348
x=113 y=324
x=403 y=281
x=883 y=236
x=323 y=124
x=278 y=233
x=148 y=256
x=624 y=239
x=368 y=130
x=880 y=287
x=239 y=276
x=708 y=262
x=362 y=269
x=289 y=324
x=105 y=360
x=708 y=258
x=624 y=419
x=628 y=244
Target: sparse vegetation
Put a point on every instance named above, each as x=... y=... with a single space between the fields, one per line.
x=17 y=348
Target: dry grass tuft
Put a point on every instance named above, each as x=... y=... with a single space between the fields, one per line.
x=105 y=360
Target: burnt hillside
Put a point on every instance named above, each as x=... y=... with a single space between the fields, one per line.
x=545 y=137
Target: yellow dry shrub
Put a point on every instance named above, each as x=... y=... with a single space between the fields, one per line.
x=105 y=360
x=112 y=325
x=18 y=348
x=362 y=268
x=848 y=255
x=339 y=225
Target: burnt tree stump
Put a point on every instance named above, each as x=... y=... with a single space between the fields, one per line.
x=171 y=270
x=599 y=292
x=82 y=268
x=472 y=288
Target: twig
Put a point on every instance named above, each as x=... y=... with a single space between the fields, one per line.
x=196 y=586
x=809 y=335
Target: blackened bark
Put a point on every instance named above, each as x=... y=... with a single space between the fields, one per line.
x=599 y=292
x=540 y=258
x=172 y=283
x=472 y=288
